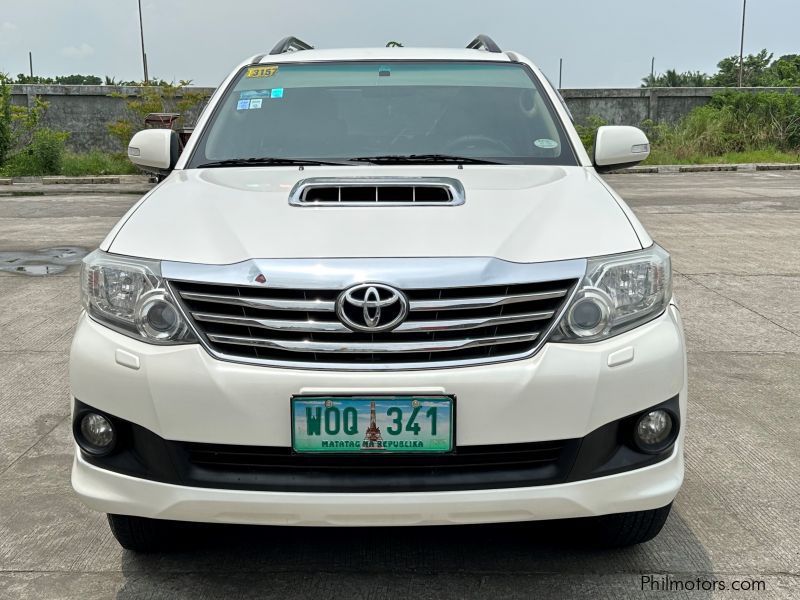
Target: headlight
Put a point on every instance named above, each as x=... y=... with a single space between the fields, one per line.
x=617 y=293
x=129 y=296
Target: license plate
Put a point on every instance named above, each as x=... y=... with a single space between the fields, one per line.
x=363 y=424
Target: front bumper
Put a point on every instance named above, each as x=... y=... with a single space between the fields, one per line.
x=642 y=489
x=563 y=392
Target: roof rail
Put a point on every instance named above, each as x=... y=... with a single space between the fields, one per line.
x=290 y=44
x=484 y=42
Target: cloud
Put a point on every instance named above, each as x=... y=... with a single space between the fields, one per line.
x=6 y=28
x=81 y=51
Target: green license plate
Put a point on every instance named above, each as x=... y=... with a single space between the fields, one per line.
x=361 y=424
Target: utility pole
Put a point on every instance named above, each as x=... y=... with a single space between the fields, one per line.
x=560 y=69
x=741 y=45
x=141 y=34
x=30 y=62
x=652 y=69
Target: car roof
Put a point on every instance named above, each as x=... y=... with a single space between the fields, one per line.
x=394 y=53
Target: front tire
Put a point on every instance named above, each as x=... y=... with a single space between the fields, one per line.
x=140 y=534
x=628 y=529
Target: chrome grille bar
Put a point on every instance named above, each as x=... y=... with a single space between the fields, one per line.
x=345 y=347
x=459 y=324
x=329 y=306
x=487 y=302
x=266 y=303
x=310 y=326
x=307 y=326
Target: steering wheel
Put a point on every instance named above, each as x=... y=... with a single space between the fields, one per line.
x=470 y=143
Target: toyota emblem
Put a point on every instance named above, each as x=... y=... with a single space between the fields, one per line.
x=372 y=307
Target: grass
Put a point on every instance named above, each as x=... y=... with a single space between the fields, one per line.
x=72 y=165
x=663 y=156
x=97 y=163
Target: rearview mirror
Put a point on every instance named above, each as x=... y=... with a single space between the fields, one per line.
x=619 y=146
x=154 y=150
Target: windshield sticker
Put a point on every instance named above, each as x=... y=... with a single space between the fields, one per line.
x=261 y=72
x=243 y=104
x=384 y=71
x=277 y=93
x=255 y=102
x=254 y=94
x=545 y=143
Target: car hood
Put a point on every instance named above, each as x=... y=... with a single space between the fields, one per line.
x=518 y=213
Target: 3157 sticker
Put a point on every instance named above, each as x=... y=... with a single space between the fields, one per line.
x=261 y=72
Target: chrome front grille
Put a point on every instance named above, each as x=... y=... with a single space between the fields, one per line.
x=445 y=326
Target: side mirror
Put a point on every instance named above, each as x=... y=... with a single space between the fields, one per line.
x=154 y=150
x=619 y=146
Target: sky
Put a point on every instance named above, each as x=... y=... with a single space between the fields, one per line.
x=606 y=43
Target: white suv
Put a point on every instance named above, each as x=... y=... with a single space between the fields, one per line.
x=380 y=287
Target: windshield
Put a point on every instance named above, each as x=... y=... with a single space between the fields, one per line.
x=381 y=112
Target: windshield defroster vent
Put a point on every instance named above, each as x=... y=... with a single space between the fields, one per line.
x=377 y=191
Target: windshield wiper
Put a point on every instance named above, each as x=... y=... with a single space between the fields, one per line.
x=425 y=158
x=269 y=160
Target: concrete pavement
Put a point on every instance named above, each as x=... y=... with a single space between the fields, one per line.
x=734 y=239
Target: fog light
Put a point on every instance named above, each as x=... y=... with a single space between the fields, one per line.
x=654 y=431
x=97 y=435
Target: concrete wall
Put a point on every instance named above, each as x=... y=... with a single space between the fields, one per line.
x=86 y=110
x=626 y=106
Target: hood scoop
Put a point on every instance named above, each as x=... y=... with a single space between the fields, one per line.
x=377 y=191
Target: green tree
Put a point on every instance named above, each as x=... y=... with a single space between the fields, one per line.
x=83 y=80
x=672 y=78
x=587 y=130
x=784 y=72
x=6 y=141
x=79 y=80
x=32 y=79
x=754 y=73
x=17 y=123
x=25 y=121
x=158 y=96
x=695 y=79
x=44 y=155
x=759 y=71
x=59 y=80
x=27 y=148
